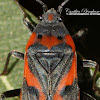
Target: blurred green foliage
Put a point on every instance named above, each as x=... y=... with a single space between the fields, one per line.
x=13 y=36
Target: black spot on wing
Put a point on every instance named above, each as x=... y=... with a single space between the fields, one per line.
x=33 y=91
x=65 y=90
x=49 y=97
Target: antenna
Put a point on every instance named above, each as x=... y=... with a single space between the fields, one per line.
x=44 y=6
x=60 y=7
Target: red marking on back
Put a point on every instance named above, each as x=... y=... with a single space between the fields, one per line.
x=31 y=40
x=32 y=80
x=70 y=41
x=68 y=78
x=20 y=95
x=50 y=17
x=57 y=96
x=50 y=41
x=79 y=95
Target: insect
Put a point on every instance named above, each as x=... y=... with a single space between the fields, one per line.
x=50 y=71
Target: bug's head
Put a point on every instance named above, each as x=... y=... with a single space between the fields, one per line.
x=51 y=17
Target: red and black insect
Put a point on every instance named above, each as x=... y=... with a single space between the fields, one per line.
x=50 y=70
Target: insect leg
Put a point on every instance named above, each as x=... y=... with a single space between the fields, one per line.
x=10 y=93
x=16 y=54
x=85 y=96
x=92 y=64
x=80 y=34
x=29 y=23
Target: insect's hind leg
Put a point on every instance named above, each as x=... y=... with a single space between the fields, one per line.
x=10 y=93
x=16 y=54
x=92 y=64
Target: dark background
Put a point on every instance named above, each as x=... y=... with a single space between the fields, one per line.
x=90 y=47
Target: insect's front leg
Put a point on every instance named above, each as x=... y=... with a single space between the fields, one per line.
x=10 y=93
x=16 y=54
x=28 y=22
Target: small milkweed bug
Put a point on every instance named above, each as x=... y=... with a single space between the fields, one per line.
x=50 y=70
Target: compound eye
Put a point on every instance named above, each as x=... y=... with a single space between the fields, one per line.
x=60 y=37
x=40 y=18
x=39 y=36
